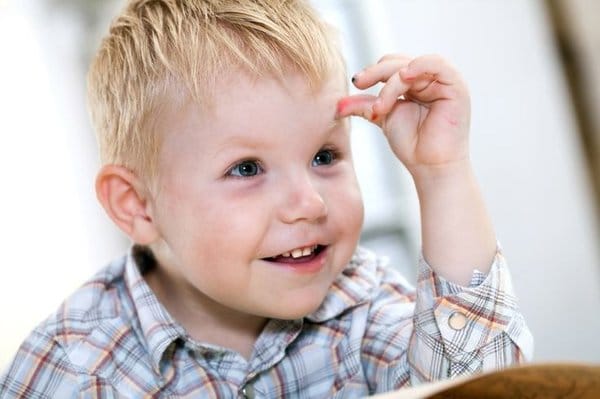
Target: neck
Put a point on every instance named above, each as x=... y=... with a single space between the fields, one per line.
x=204 y=319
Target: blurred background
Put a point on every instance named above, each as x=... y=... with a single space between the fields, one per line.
x=533 y=67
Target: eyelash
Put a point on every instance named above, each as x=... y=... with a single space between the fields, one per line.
x=231 y=172
x=335 y=155
x=254 y=162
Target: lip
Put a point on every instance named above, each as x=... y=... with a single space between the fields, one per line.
x=312 y=265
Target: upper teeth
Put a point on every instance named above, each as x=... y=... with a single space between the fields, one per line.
x=298 y=252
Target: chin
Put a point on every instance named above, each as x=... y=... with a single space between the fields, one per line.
x=295 y=310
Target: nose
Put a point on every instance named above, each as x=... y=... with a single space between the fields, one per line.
x=302 y=201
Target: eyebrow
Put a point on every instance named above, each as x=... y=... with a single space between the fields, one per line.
x=239 y=141
x=333 y=124
x=250 y=143
x=336 y=123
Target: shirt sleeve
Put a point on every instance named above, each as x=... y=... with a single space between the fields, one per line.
x=40 y=369
x=462 y=330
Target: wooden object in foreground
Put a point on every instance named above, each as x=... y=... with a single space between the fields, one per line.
x=534 y=381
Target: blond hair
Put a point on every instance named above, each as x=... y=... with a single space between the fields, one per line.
x=158 y=51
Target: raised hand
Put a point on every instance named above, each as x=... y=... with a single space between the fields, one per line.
x=423 y=109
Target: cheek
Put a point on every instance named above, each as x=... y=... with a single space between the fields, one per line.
x=355 y=213
x=231 y=225
x=187 y=218
x=346 y=205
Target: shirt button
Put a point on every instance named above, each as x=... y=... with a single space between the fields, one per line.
x=248 y=392
x=457 y=321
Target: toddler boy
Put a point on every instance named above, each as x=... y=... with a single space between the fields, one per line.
x=224 y=137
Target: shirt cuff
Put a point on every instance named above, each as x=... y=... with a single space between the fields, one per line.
x=468 y=318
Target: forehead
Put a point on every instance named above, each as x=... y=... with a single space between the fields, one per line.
x=293 y=94
x=244 y=106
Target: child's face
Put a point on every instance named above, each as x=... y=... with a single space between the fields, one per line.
x=242 y=189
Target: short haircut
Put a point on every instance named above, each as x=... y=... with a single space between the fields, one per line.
x=160 y=52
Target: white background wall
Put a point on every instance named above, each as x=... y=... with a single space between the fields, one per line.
x=525 y=149
x=53 y=235
x=524 y=144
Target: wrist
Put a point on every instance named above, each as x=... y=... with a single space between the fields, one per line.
x=456 y=229
x=442 y=176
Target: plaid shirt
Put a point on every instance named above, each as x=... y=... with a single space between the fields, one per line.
x=372 y=333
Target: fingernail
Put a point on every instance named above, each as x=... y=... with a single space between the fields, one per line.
x=355 y=77
x=374 y=116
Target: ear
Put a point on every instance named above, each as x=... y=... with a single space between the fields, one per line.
x=124 y=198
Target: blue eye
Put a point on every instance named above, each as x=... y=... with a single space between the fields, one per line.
x=324 y=157
x=245 y=169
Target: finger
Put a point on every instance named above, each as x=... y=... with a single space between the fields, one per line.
x=388 y=57
x=433 y=65
x=388 y=96
x=379 y=72
x=358 y=105
x=422 y=83
x=434 y=92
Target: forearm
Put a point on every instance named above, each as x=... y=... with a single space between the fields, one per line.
x=457 y=232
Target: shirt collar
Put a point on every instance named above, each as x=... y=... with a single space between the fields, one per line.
x=158 y=329
x=352 y=287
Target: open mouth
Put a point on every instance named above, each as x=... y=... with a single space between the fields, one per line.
x=298 y=255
